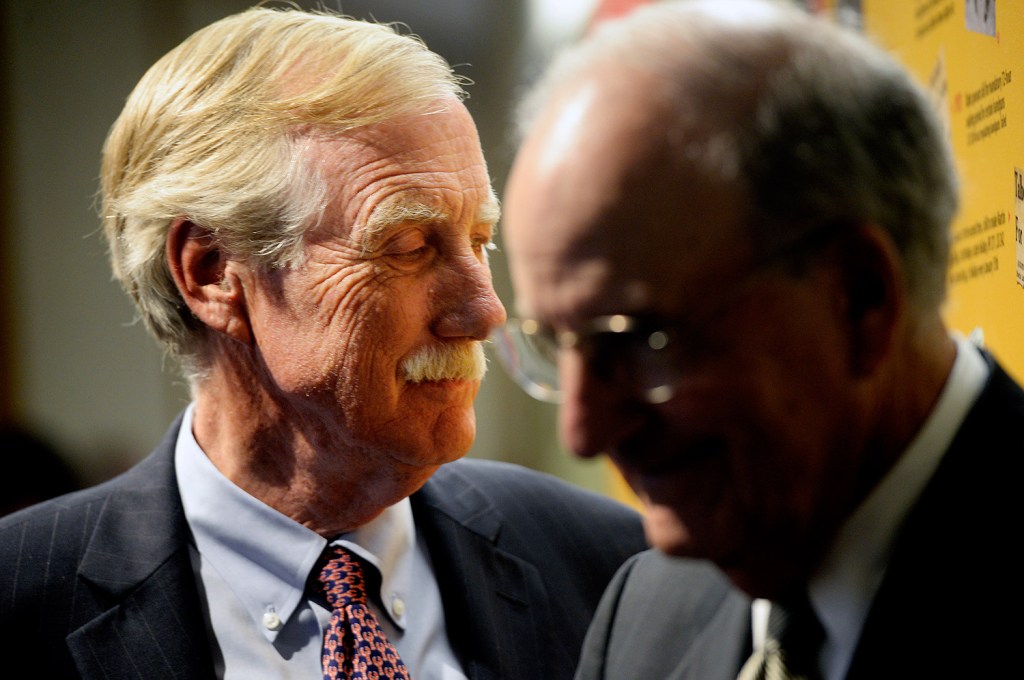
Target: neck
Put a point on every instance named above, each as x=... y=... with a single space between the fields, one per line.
x=894 y=403
x=303 y=467
x=907 y=394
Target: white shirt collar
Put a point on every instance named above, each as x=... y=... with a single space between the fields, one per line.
x=389 y=543
x=265 y=556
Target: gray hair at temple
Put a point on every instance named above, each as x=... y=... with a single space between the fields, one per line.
x=218 y=131
x=812 y=125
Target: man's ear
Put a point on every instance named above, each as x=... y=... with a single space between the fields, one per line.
x=875 y=296
x=208 y=280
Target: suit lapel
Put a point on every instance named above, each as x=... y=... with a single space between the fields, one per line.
x=137 y=568
x=489 y=595
x=723 y=646
x=951 y=560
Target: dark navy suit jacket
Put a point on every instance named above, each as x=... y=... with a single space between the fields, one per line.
x=99 y=583
x=950 y=604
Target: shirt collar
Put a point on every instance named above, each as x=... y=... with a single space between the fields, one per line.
x=264 y=555
x=845 y=584
x=388 y=544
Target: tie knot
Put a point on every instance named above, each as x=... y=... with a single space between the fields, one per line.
x=342 y=579
x=798 y=632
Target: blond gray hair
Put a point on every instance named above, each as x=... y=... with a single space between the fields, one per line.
x=216 y=132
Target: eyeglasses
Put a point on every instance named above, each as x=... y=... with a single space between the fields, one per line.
x=618 y=349
x=632 y=353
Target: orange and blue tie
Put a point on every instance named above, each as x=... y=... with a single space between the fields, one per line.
x=355 y=647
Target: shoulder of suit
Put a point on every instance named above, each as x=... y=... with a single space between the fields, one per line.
x=654 y=566
x=679 y=590
x=79 y=509
x=537 y=502
x=501 y=480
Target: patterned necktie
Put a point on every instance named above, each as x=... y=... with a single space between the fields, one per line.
x=355 y=647
x=791 y=645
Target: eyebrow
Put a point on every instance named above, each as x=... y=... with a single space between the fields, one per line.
x=489 y=211
x=389 y=215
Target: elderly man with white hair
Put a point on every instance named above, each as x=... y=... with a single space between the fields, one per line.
x=299 y=207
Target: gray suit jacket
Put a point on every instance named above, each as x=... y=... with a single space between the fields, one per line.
x=950 y=604
x=99 y=584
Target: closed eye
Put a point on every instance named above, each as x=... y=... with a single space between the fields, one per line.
x=414 y=253
x=408 y=245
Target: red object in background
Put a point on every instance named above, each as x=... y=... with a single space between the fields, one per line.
x=612 y=9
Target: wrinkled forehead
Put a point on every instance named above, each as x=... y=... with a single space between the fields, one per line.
x=425 y=168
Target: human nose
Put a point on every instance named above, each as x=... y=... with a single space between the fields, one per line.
x=471 y=305
x=595 y=416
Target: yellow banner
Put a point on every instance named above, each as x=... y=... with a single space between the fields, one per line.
x=969 y=54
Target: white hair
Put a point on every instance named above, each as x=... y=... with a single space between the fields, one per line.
x=218 y=132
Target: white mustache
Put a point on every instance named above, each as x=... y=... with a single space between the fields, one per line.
x=460 y=361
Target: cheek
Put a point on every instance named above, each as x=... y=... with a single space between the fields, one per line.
x=370 y=326
x=441 y=425
x=335 y=333
x=788 y=376
x=784 y=447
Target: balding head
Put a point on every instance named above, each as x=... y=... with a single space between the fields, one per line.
x=807 y=123
x=727 y=226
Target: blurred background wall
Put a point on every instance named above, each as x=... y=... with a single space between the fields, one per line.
x=75 y=368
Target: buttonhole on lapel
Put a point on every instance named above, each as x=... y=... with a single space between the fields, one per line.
x=513 y=598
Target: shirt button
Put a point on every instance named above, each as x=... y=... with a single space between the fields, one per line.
x=398 y=607
x=271 y=621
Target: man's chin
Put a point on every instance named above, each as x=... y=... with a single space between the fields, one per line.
x=748 y=571
x=667 y=532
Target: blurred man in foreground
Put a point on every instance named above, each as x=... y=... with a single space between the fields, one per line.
x=728 y=228
x=299 y=207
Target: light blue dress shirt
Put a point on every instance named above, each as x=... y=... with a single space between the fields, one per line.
x=252 y=564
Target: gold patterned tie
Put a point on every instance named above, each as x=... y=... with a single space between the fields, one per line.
x=791 y=645
x=355 y=647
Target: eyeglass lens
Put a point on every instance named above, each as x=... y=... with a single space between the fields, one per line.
x=632 y=357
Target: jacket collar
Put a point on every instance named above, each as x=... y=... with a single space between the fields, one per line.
x=137 y=565
x=489 y=594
